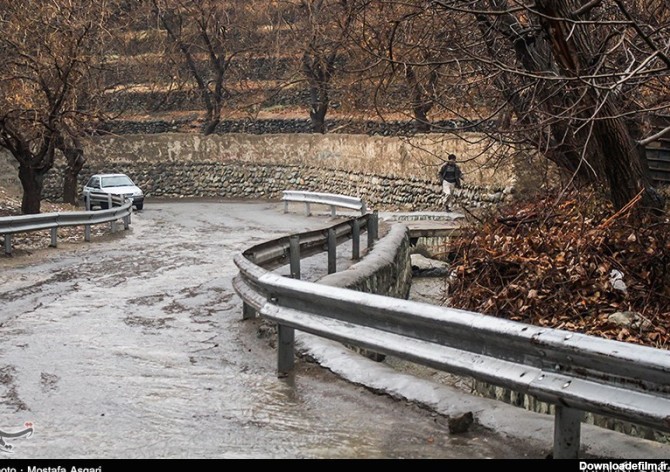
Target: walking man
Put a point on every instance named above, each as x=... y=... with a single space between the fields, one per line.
x=450 y=177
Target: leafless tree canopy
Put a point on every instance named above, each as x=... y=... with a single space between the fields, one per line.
x=49 y=83
x=213 y=38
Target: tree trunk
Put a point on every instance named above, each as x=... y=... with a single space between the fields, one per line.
x=318 y=108
x=75 y=162
x=615 y=156
x=70 y=186
x=421 y=103
x=32 y=181
x=624 y=164
x=213 y=106
x=210 y=126
x=421 y=123
x=319 y=121
x=318 y=71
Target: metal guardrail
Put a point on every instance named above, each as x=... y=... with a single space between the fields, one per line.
x=290 y=249
x=574 y=372
x=108 y=199
x=329 y=199
x=27 y=223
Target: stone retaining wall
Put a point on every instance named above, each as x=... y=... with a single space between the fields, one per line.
x=239 y=180
x=388 y=172
x=290 y=126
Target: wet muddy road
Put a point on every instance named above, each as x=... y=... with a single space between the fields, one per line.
x=133 y=347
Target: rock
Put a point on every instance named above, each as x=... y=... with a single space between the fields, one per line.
x=266 y=330
x=429 y=290
x=425 y=267
x=630 y=319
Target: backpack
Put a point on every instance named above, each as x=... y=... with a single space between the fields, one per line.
x=451 y=173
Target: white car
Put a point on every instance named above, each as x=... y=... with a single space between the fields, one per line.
x=118 y=184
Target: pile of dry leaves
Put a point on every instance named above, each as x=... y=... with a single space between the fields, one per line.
x=572 y=264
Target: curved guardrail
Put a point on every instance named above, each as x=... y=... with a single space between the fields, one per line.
x=330 y=199
x=290 y=249
x=26 y=223
x=573 y=371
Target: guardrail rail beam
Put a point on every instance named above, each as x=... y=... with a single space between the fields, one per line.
x=52 y=221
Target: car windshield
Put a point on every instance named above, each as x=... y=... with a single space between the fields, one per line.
x=116 y=181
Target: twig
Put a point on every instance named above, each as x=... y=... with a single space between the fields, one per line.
x=623 y=210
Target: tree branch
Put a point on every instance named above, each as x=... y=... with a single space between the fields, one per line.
x=654 y=137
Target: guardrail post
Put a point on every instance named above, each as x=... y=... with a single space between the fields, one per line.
x=87 y=233
x=109 y=200
x=332 y=211
x=356 y=240
x=112 y=226
x=126 y=221
x=248 y=311
x=294 y=255
x=285 y=206
x=364 y=210
x=8 y=244
x=307 y=209
x=567 y=431
x=285 y=350
x=373 y=228
x=332 y=251
x=54 y=237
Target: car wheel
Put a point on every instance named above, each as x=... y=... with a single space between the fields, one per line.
x=139 y=206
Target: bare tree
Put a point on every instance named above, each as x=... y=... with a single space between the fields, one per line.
x=320 y=29
x=411 y=41
x=48 y=59
x=210 y=35
x=102 y=81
